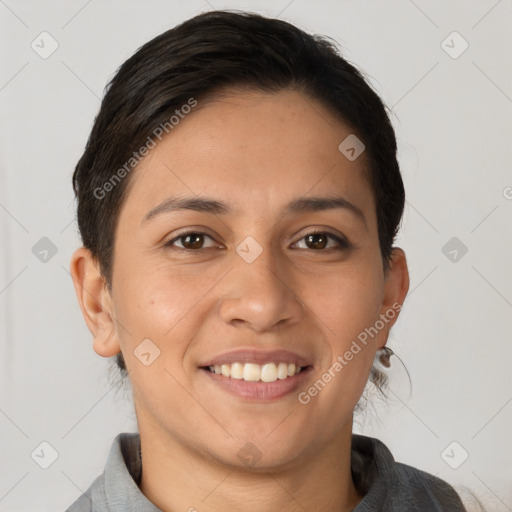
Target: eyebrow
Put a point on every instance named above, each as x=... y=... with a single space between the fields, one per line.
x=215 y=207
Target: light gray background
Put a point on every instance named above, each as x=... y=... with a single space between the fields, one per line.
x=453 y=123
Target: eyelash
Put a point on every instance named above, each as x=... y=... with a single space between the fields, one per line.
x=343 y=243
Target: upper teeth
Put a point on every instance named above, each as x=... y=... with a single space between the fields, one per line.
x=253 y=372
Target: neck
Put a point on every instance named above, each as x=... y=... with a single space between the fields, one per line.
x=175 y=477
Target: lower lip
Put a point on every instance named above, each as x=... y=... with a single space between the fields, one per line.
x=259 y=391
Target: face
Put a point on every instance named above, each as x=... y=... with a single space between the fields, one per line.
x=263 y=275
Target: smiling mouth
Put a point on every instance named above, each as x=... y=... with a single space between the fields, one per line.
x=252 y=372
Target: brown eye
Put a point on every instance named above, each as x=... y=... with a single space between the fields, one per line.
x=189 y=241
x=193 y=241
x=316 y=241
x=319 y=241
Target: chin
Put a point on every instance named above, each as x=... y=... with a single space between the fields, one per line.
x=264 y=450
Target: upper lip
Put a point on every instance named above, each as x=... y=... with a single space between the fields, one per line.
x=258 y=356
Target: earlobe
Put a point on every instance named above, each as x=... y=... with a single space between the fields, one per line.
x=396 y=283
x=95 y=302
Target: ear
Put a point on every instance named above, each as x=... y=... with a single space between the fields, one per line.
x=396 y=285
x=95 y=302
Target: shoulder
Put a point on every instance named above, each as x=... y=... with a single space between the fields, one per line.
x=98 y=495
x=388 y=485
x=417 y=486
x=93 y=499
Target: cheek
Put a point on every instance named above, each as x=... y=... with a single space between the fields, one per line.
x=161 y=305
x=347 y=301
x=348 y=307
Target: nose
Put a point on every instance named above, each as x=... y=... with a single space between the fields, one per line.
x=260 y=295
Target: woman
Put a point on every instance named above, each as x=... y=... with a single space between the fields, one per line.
x=238 y=200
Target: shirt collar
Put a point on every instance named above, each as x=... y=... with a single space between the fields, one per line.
x=372 y=466
x=123 y=472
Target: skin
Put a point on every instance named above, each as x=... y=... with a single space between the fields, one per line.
x=256 y=152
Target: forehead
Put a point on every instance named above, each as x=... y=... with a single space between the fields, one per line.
x=251 y=148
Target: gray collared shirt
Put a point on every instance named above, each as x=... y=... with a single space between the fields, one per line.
x=388 y=486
